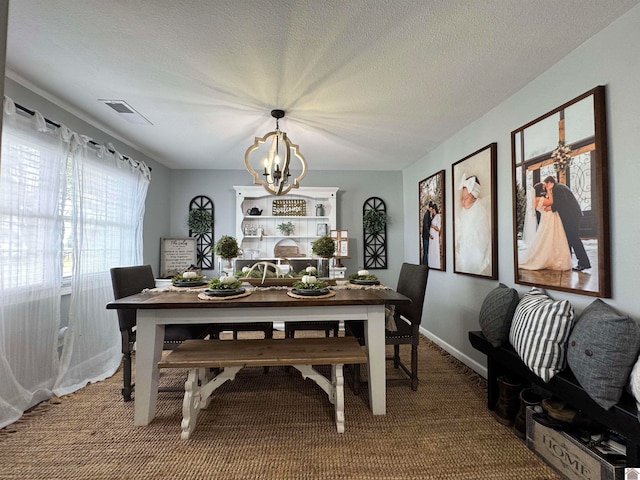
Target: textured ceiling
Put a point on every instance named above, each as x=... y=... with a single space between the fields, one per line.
x=366 y=84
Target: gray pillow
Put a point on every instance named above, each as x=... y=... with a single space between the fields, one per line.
x=496 y=314
x=603 y=347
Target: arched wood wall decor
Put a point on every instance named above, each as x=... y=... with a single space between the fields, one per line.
x=375 y=244
x=204 y=241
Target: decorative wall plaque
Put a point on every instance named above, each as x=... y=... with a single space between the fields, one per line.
x=176 y=255
x=289 y=208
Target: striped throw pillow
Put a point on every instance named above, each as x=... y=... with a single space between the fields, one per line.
x=540 y=331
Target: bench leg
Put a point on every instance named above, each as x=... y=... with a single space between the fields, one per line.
x=197 y=393
x=190 y=404
x=494 y=370
x=337 y=378
x=334 y=388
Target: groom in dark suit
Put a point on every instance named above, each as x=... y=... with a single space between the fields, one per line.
x=426 y=226
x=565 y=203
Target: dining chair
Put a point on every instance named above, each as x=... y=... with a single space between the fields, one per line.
x=412 y=283
x=290 y=328
x=127 y=281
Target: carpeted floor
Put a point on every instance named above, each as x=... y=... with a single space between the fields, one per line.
x=276 y=426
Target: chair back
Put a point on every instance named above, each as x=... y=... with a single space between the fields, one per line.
x=129 y=281
x=412 y=283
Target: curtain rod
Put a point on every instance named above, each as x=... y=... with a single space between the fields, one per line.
x=57 y=125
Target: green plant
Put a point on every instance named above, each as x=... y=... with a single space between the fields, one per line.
x=199 y=221
x=227 y=247
x=324 y=247
x=286 y=228
x=374 y=221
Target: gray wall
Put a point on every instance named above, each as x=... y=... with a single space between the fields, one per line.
x=171 y=191
x=157 y=203
x=609 y=58
x=453 y=300
x=354 y=189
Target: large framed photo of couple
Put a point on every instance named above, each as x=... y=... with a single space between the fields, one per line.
x=561 y=207
x=475 y=243
x=431 y=221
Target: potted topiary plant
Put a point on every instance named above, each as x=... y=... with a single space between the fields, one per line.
x=324 y=247
x=227 y=248
x=199 y=221
x=374 y=221
x=287 y=228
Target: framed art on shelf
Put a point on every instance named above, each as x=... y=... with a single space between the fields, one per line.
x=475 y=246
x=322 y=229
x=341 y=237
x=431 y=195
x=560 y=191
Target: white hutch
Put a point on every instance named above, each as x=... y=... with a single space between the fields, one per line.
x=259 y=236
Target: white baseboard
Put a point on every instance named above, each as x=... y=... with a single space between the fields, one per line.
x=469 y=362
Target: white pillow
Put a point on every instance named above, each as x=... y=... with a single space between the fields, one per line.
x=540 y=331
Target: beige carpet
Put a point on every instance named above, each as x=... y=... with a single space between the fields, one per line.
x=276 y=426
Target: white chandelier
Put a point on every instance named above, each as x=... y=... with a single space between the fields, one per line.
x=276 y=161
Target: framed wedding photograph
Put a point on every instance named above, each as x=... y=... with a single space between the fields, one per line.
x=475 y=234
x=561 y=198
x=431 y=195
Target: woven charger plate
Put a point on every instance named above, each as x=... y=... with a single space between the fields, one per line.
x=311 y=297
x=204 y=296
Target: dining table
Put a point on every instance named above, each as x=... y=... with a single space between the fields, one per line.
x=156 y=308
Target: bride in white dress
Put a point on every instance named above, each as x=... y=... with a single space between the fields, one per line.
x=547 y=246
x=434 y=239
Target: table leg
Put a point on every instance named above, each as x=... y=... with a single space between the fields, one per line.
x=149 y=341
x=374 y=337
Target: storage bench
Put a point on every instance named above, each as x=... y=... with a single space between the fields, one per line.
x=621 y=418
x=200 y=356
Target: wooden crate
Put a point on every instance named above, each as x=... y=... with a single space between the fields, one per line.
x=568 y=455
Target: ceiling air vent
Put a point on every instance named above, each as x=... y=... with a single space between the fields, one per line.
x=125 y=110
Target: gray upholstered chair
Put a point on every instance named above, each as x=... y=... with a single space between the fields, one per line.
x=412 y=283
x=129 y=281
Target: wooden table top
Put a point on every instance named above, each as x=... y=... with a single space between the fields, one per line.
x=258 y=298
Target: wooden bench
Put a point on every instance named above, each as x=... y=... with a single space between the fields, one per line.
x=199 y=356
x=622 y=417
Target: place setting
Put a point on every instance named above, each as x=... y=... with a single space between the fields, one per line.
x=188 y=281
x=362 y=280
x=310 y=287
x=227 y=287
x=363 y=277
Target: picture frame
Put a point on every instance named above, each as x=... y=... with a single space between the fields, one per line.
x=341 y=237
x=343 y=248
x=321 y=229
x=176 y=255
x=431 y=221
x=475 y=245
x=567 y=145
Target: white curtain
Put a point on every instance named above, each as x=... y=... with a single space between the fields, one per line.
x=108 y=202
x=32 y=182
x=108 y=193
